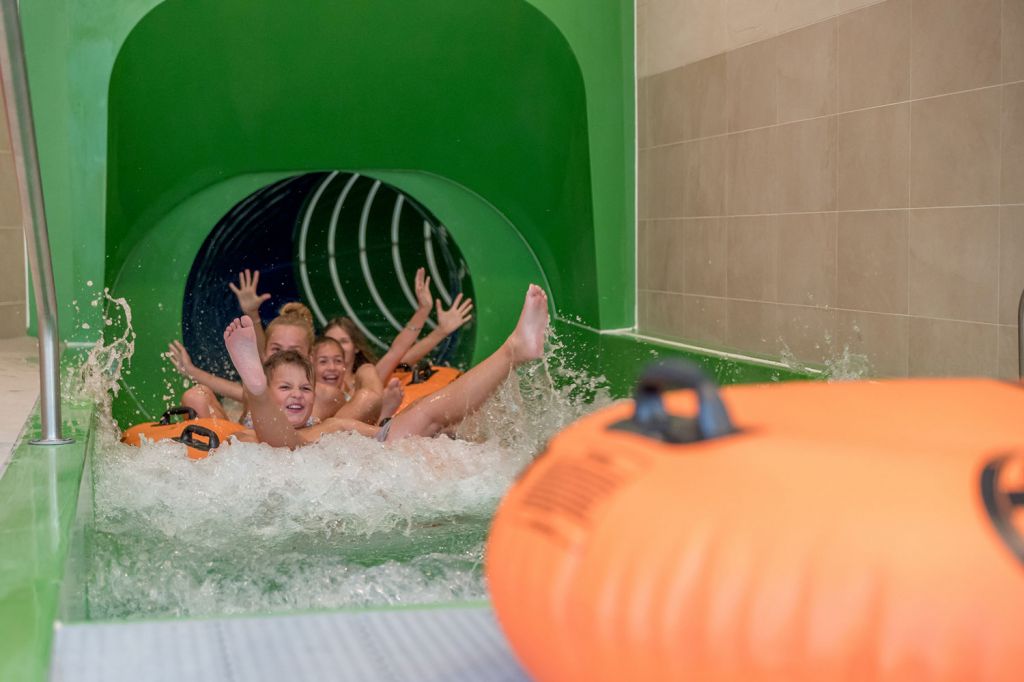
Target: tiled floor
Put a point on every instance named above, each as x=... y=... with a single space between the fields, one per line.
x=19 y=389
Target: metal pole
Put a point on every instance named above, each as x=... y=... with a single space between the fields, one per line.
x=30 y=190
x=1020 y=337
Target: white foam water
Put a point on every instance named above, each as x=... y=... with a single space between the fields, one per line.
x=345 y=522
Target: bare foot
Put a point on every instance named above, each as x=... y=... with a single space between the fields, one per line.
x=240 y=338
x=391 y=399
x=527 y=341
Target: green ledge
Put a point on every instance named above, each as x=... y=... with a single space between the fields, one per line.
x=38 y=503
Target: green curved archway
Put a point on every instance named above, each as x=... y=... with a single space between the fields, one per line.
x=477 y=110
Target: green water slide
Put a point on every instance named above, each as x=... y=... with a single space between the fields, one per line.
x=509 y=121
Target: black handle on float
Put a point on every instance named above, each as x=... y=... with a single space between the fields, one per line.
x=422 y=372
x=165 y=419
x=651 y=418
x=188 y=434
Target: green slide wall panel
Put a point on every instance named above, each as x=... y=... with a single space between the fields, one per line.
x=573 y=54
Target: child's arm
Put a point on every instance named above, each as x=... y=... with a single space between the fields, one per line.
x=407 y=337
x=249 y=301
x=183 y=363
x=447 y=322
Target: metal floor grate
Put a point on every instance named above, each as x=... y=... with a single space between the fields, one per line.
x=456 y=644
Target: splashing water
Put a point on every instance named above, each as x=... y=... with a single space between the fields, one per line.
x=345 y=522
x=840 y=365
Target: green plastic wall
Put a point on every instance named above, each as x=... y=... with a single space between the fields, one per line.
x=524 y=108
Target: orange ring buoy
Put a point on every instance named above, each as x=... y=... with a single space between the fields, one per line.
x=846 y=531
x=424 y=380
x=200 y=436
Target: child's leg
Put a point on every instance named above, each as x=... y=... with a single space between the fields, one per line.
x=364 y=406
x=467 y=393
x=201 y=399
x=268 y=419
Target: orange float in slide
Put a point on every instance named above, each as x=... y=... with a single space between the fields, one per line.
x=424 y=380
x=798 y=532
x=200 y=436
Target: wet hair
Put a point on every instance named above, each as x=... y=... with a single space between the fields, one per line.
x=325 y=341
x=363 y=352
x=294 y=314
x=289 y=357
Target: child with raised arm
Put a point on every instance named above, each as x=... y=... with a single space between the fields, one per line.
x=291 y=330
x=273 y=391
x=404 y=349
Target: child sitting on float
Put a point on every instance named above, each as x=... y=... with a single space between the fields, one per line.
x=280 y=390
x=358 y=393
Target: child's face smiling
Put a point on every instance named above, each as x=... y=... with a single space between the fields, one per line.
x=342 y=337
x=329 y=363
x=287 y=337
x=293 y=393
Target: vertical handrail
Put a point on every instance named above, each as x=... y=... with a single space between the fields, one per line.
x=1020 y=337
x=33 y=217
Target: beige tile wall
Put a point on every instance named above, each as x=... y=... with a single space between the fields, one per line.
x=820 y=177
x=12 y=250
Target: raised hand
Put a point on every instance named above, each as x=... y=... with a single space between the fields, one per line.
x=180 y=358
x=248 y=300
x=423 y=295
x=456 y=316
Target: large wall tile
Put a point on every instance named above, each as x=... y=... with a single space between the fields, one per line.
x=850 y=5
x=872 y=266
x=643 y=256
x=683 y=31
x=1013 y=145
x=704 y=189
x=753 y=327
x=807 y=72
x=954 y=149
x=748 y=21
x=806 y=154
x=1009 y=354
x=643 y=114
x=753 y=258
x=796 y=13
x=1013 y=40
x=751 y=171
x=642 y=40
x=704 y=319
x=665 y=244
x=704 y=258
x=751 y=97
x=643 y=183
x=807 y=258
x=10 y=203
x=955 y=45
x=660 y=313
x=688 y=102
x=873 y=55
x=5 y=138
x=12 y=320
x=12 y=266
x=952 y=268
x=874 y=158
x=945 y=348
x=807 y=333
x=1011 y=262
x=666 y=179
x=882 y=339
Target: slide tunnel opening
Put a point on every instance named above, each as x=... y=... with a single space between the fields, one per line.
x=344 y=244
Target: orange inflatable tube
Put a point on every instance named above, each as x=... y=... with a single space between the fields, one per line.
x=799 y=531
x=423 y=380
x=200 y=436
